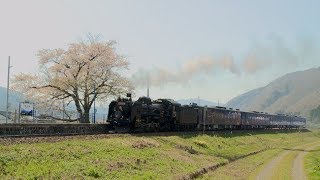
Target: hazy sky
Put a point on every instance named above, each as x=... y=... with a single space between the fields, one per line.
x=276 y=37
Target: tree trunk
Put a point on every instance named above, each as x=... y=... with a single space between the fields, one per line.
x=85 y=118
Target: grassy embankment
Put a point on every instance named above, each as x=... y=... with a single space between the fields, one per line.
x=248 y=168
x=164 y=156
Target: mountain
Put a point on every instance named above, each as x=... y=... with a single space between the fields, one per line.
x=14 y=99
x=296 y=92
x=200 y=102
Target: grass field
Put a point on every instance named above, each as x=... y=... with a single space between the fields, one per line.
x=161 y=156
x=312 y=164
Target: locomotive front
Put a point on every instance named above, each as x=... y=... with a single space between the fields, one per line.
x=119 y=115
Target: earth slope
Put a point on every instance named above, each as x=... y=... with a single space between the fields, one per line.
x=14 y=99
x=297 y=92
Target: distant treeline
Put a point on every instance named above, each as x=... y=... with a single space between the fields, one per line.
x=315 y=115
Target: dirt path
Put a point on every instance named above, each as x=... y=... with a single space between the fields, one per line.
x=268 y=170
x=297 y=171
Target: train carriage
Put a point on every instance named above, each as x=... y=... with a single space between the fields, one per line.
x=280 y=121
x=298 y=122
x=255 y=119
x=220 y=117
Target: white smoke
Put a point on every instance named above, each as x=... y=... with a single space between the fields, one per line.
x=262 y=56
x=161 y=76
x=280 y=53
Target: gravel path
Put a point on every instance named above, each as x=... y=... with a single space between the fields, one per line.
x=297 y=171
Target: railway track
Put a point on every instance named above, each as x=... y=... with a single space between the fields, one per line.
x=36 y=130
x=56 y=130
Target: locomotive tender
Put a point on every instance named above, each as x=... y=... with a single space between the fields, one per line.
x=168 y=115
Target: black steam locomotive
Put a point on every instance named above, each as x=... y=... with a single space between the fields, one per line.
x=145 y=115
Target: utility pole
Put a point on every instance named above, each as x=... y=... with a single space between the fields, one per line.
x=8 y=86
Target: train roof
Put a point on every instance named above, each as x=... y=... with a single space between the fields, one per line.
x=252 y=112
x=220 y=108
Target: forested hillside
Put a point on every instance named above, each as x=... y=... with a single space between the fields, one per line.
x=296 y=93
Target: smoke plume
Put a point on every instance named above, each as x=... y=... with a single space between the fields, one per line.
x=279 y=53
x=161 y=76
x=275 y=52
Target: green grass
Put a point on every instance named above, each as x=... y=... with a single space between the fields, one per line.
x=139 y=156
x=312 y=164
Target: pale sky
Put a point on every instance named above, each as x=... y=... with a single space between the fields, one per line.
x=167 y=33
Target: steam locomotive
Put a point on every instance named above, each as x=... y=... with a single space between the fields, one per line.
x=145 y=115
